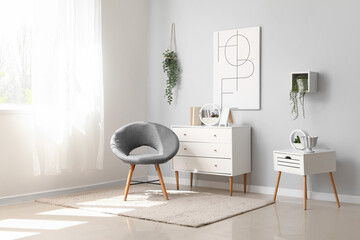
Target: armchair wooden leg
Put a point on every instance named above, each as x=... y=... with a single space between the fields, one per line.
x=245 y=183
x=334 y=188
x=231 y=185
x=191 y=179
x=277 y=185
x=132 y=167
x=161 y=181
x=177 y=179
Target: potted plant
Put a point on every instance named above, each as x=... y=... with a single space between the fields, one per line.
x=297 y=94
x=297 y=142
x=171 y=66
x=172 y=70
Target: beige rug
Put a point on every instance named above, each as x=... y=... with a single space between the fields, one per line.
x=186 y=208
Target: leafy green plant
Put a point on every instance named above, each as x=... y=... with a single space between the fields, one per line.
x=297 y=139
x=172 y=70
x=297 y=94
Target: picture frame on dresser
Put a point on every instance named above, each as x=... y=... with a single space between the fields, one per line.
x=226 y=117
x=213 y=150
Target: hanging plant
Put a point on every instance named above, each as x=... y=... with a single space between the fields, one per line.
x=297 y=94
x=171 y=66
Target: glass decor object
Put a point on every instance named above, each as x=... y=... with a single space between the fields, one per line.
x=298 y=133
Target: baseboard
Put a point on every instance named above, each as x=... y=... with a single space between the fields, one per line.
x=266 y=190
x=33 y=196
x=183 y=181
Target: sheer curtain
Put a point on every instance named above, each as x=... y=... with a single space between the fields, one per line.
x=67 y=86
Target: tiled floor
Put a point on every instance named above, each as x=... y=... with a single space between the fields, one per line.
x=284 y=220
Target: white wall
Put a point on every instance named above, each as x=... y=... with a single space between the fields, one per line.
x=321 y=36
x=125 y=90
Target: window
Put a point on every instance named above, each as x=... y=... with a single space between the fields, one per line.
x=15 y=52
x=51 y=59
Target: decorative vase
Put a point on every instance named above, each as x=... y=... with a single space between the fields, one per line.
x=308 y=142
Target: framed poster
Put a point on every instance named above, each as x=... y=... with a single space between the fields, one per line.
x=237 y=68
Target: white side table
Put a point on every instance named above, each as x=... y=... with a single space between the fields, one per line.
x=300 y=163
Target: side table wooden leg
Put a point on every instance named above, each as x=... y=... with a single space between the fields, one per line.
x=277 y=185
x=231 y=185
x=334 y=188
x=245 y=183
x=177 y=179
x=305 y=192
x=191 y=179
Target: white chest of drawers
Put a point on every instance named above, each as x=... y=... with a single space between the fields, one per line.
x=222 y=151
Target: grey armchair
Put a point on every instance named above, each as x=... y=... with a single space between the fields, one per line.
x=138 y=134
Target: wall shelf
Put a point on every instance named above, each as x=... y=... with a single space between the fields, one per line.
x=312 y=78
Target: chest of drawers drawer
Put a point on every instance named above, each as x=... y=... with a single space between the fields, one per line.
x=214 y=150
x=211 y=135
x=204 y=165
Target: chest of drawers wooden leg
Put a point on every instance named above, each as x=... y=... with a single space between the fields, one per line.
x=222 y=151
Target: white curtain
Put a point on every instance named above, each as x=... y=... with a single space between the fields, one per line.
x=67 y=86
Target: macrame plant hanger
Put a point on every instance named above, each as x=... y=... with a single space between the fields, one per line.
x=172 y=43
x=171 y=65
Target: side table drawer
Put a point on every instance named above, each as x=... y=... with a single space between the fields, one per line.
x=290 y=163
x=197 y=164
x=215 y=150
x=214 y=135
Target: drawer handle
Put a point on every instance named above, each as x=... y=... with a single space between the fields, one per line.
x=215 y=150
x=184 y=134
x=214 y=135
x=185 y=149
x=287 y=157
x=215 y=165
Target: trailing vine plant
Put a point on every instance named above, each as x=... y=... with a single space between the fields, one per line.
x=171 y=66
x=297 y=94
x=172 y=70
